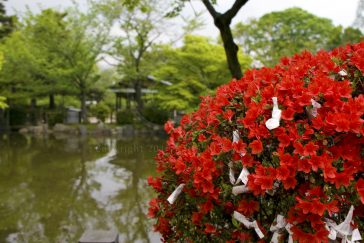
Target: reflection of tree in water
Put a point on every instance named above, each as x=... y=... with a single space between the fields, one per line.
x=138 y=160
x=51 y=190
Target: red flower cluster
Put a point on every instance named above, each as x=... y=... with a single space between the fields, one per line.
x=310 y=169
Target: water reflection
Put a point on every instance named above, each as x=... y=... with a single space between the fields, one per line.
x=53 y=189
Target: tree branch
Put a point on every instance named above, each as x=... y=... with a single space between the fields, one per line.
x=211 y=8
x=230 y=14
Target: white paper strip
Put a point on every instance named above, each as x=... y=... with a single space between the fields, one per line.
x=273 y=122
x=343 y=73
x=172 y=198
x=288 y=228
x=355 y=236
x=236 y=136
x=240 y=189
x=277 y=228
x=316 y=106
x=344 y=230
x=231 y=173
x=232 y=176
x=242 y=219
x=243 y=177
x=274 y=189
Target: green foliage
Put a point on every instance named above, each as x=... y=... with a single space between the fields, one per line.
x=54 y=53
x=359 y=19
x=101 y=111
x=124 y=117
x=153 y=113
x=55 y=117
x=3 y=104
x=6 y=22
x=284 y=33
x=195 y=69
x=18 y=116
x=16 y=73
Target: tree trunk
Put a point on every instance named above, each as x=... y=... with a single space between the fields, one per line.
x=52 y=103
x=138 y=94
x=231 y=49
x=83 y=107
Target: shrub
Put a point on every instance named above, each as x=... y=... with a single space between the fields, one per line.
x=124 y=117
x=300 y=179
x=55 y=117
x=155 y=115
x=18 y=116
x=101 y=111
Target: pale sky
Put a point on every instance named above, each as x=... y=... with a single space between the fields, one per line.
x=339 y=11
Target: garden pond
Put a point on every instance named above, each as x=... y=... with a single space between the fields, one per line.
x=54 y=188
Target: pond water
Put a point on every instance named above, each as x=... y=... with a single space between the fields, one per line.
x=53 y=189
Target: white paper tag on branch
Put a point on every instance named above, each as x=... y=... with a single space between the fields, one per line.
x=273 y=122
x=290 y=237
x=243 y=177
x=344 y=228
x=231 y=173
x=172 y=198
x=274 y=189
x=239 y=190
x=232 y=176
x=342 y=73
x=236 y=136
x=315 y=107
x=355 y=236
x=242 y=219
x=277 y=228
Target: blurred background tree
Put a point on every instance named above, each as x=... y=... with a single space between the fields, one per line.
x=284 y=33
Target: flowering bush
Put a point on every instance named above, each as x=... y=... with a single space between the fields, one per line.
x=247 y=166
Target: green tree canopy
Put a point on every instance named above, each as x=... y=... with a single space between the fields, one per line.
x=359 y=19
x=6 y=22
x=284 y=33
x=222 y=21
x=195 y=69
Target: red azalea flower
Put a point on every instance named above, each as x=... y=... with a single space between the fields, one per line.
x=153 y=208
x=320 y=153
x=289 y=183
x=298 y=148
x=206 y=207
x=256 y=146
x=210 y=229
x=179 y=166
x=201 y=138
x=248 y=208
x=239 y=147
x=288 y=114
x=168 y=126
x=360 y=189
x=228 y=115
x=226 y=144
x=155 y=183
x=215 y=148
x=196 y=218
x=310 y=149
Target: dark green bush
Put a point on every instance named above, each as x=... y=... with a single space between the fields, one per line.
x=101 y=111
x=18 y=116
x=55 y=117
x=124 y=117
x=155 y=115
